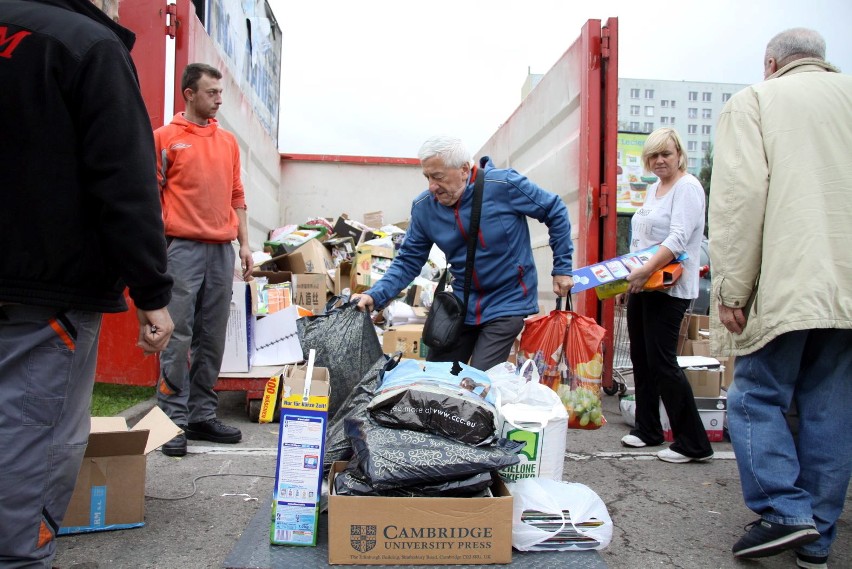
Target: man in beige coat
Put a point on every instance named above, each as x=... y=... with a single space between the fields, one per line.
x=781 y=256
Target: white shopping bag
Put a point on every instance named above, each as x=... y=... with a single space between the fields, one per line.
x=557 y=516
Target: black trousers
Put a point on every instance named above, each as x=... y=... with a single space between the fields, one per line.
x=653 y=323
x=484 y=346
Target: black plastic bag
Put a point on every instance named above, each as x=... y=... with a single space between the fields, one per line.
x=352 y=482
x=337 y=445
x=394 y=458
x=346 y=344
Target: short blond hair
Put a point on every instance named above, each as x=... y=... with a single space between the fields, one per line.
x=657 y=141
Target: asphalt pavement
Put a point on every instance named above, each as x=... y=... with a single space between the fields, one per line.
x=664 y=515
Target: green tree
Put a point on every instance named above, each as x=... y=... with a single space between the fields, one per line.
x=704 y=176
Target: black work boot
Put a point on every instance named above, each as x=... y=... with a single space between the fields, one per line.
x=213 y=430
x=176 y=446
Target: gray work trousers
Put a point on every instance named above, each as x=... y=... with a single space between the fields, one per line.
x=201 y=297
x=47 y=370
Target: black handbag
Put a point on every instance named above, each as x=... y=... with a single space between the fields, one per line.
x=447 y=313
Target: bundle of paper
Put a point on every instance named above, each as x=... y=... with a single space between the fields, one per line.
x=566 y=532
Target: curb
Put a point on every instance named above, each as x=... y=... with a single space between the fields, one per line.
x=133 y=414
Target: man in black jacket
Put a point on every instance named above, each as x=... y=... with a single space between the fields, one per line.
x=80 y=221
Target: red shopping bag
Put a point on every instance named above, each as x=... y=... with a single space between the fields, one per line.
x=543 y=341
x=582 y=393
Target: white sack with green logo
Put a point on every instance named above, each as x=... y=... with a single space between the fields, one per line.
x=530 y=412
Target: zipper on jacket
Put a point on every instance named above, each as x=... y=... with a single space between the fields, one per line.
x=521 y=279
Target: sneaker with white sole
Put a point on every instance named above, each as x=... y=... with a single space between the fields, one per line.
x=632 y=441
x=769 y=538
x=811 y=561
x=668 y=455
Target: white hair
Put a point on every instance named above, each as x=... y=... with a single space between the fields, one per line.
x=795 y=43
x=451 y=150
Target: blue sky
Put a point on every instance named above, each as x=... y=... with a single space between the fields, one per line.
x=378 y=77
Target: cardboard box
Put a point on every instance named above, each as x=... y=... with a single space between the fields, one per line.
x=312 y=257
x=371 y=263
x=696 y=348
x=341 y=249
x=712 y=411
x=697 y=324
x=301 y=444
x=291 y=241
x=704 y=382
x=239 y=335
x=343 y=277
x=727 y=371
x=110 y=489
x=310 y=291
x=344 y=227
x=407 y=339
x=374 y=219
x=608 y=273
x=373 y=530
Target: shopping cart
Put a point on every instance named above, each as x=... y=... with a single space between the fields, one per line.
x=621 y=362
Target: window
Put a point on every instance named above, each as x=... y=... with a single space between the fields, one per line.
x=634 y=126
x=693 y=95
x=706 y=113
x=693 y=113
x=649 y=93
x=692 y=162
x=705 y=146
x=725 y=97
x=673 y=120
x=634 y=110
x=634 y=93
x=664 y=120
x=706 y=97
x=649 y=126
x=664 y=103
x=649 y=111
x=692 y=146
x=705 y=129
x=673 y=103
x=692 y=129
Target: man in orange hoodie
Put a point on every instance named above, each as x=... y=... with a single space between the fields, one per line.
x=204 y=210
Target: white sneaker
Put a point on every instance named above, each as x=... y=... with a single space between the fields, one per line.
x=632 y=441
x=668 y=455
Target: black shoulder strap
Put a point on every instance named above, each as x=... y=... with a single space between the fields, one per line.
x=473 y=232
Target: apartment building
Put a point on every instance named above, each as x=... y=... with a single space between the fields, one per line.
x=690 y=107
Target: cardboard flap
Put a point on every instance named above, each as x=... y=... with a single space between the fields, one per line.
x=158 y=426
x=108 y=424
x=116 y=443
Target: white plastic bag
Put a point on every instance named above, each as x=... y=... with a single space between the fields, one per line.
x=558 y=516
x=627 y=405
x=532 y=413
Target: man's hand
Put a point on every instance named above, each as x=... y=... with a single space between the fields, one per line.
x=562 y=285
x=734 y=319
x=246 y=261
x=365 y=302
x=155 y=330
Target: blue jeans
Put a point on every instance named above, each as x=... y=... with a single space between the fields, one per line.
x=785 y=478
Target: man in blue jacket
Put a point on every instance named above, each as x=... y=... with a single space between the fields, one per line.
x=504 y=288
x=80 y=220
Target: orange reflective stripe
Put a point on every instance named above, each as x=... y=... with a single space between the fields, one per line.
x=164 y=388
x=60 y=331
x=44 y=535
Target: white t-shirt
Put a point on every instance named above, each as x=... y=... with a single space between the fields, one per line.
x=675 y=221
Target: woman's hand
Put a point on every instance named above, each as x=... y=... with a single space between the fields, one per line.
x=638 y=277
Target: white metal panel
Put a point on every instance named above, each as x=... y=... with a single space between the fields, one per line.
x=330 y=188
x=541 y=140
